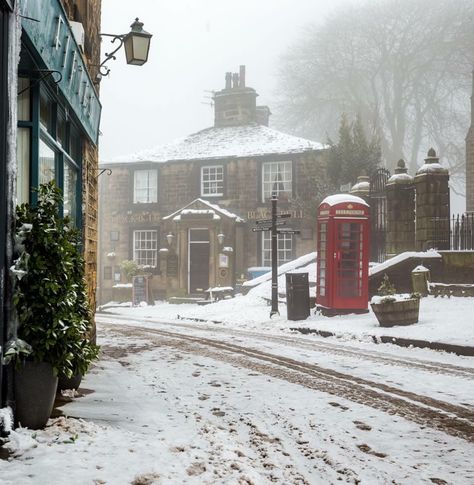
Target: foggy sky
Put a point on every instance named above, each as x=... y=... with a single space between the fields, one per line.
x=194 y=43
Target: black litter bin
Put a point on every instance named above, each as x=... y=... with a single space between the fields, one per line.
x=297 y=296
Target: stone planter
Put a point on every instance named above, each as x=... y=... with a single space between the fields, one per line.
x=35 y=390
x=400 y=312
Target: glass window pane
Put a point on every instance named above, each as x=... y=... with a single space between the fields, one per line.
x=276 y=178
x=70 y=185
x=46 y=116
x=24 y=104
x=23 y=160
x=145 y=186
x=46 y=168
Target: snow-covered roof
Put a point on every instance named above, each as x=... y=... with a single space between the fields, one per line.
x=214 y=209
x=226 y=142
x=342 y=198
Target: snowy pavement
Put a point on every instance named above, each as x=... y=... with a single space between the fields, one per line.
x=187 y=402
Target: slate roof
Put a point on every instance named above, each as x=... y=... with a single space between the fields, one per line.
x=226 y=142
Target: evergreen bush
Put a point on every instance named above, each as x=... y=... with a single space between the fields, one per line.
x=50 y=295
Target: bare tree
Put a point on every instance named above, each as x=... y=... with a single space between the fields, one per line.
x=403 y=66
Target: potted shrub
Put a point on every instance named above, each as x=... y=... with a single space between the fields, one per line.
x=393 y=309
x=54 y=321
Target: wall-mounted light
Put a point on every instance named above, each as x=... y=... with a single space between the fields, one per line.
x=137 y=45
x=170 y=238
x=220 y=238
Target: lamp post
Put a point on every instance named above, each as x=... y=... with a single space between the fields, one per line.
x=136 y=43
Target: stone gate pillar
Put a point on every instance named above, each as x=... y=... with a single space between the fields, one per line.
x=432 y=204
x=400 y=192
x=362 y=188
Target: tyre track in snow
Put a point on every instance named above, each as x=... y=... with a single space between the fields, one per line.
x=317 y=346
x=452 y=419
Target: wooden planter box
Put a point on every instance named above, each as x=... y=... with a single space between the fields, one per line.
x=403 y=312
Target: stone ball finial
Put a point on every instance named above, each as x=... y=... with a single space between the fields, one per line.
x=401 y=166
x=431 y=156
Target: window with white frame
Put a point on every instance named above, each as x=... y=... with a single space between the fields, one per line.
x=276 y=178
x=212 y=180
x=145 y=244
x=284 y=248
x=145 y=186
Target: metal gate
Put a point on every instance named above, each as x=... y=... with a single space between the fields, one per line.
x=378 y=214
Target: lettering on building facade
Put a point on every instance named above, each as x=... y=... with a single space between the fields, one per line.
x=266 y=213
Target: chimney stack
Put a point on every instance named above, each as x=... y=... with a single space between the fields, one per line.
x=242 y=77
x=228 y=80
x=235 y=80
x=236 y=104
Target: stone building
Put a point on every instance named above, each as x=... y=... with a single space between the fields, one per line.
x=186 y=210
x=49 y=53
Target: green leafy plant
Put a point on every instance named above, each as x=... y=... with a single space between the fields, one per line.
x=386 y=288
x=50 y=295
x=130 y=269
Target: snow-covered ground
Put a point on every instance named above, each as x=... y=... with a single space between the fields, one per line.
x=158 y=410
x=447 y=320
x=154 y=412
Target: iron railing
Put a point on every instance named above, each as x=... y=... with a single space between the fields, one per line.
x=456 y=233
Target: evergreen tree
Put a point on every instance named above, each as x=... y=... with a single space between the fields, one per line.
x=353 y=154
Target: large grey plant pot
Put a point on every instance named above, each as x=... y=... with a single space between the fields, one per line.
x=69 y=383
x=35 y=390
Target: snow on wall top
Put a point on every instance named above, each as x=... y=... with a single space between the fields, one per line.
x=226 y=142
x=431 y=253
x=341 y=198
x=289 y=267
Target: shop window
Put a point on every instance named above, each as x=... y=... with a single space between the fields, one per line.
x=145 y=244
x=284 y=248
x=23 y=144
x=145 y=186
x=276 y=179
x=107 y=272
x=55 y=155
x=212 y=180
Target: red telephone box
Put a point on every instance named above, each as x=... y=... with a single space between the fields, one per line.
x=343 y=254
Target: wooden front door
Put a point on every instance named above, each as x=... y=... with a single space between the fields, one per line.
x=198 y=265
